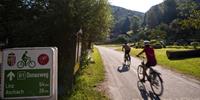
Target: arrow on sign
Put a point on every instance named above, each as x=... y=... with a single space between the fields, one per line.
x=11 y=75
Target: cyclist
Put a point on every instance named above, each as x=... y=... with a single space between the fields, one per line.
x=150 y=55
x=25 y=57
x=126 y=51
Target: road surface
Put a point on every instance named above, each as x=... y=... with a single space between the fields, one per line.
x=123 y=84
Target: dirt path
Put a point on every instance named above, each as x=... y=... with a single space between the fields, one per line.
x=123 y=84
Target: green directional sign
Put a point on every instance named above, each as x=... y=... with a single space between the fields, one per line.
x=19 y=83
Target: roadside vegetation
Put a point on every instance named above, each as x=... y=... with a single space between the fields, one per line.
x=189 y=66
x=89 y=80
x=55 y=23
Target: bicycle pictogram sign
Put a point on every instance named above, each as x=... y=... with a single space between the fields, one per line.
x=26 y=61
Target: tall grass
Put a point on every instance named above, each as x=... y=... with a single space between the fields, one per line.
x=88 y=80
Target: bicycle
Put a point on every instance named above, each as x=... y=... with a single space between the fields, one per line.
x=154 y=78
x=29 y=62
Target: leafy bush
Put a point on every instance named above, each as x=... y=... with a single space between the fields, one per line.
x=139 y=45
x=175 y=44
x=132 y=45
x=156 y=44
x=195 y=44
x=163 y=44
x=121 y=39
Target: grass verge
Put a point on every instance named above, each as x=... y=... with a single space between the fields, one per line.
x=88 y=80
x=189 y=66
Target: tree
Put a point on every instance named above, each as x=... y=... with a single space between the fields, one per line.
x=135 y=24
x=39 y=23
x=192 y=22
x=186 y=8
x=126 y=23
x=190 y=14
x=157 y=34
x=170 y=11
x=95 y=19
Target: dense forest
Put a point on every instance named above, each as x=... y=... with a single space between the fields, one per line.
x=55 y=23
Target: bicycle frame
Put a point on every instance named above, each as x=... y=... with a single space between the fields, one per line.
x=150 y=68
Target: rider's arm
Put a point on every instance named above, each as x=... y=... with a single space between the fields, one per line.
x=140 y=53
x=23 y=57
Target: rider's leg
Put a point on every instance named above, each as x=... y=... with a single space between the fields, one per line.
x=148 y=65
x=129 y=57
x=124 y=57
x=144 y=73
x=25 y=61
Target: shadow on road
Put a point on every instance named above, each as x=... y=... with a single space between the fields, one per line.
x=123 y=68
x=146 y=94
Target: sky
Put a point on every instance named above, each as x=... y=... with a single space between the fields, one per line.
x=136 y=5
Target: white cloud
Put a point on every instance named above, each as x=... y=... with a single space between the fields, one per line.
x=137 y=5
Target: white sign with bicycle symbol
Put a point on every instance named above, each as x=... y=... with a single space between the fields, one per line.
x=28 y=59
x=36 y=66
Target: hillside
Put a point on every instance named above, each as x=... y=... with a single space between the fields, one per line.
x=164 y=12
x=122 y=19
x=170 y=21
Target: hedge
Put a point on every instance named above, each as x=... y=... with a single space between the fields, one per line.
x=174 y=55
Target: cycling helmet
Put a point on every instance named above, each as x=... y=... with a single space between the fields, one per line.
x=146 y=42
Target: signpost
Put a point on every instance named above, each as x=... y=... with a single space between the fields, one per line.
x=29 y=73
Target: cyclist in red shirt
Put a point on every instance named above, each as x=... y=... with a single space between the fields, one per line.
x=150 y=55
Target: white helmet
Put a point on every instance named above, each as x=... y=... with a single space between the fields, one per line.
x=146 y=42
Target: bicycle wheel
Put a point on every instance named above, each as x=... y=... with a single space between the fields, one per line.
x=156 y=84
x=31 y=64
x=20 y=64
x=140 y=72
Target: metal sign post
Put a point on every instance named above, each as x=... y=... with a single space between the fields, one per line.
x=29 y=73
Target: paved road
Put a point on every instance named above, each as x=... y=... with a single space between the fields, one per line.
x=123 y=84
